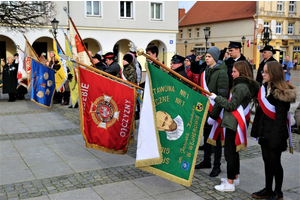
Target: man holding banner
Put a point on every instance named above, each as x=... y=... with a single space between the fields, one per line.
x=214 y=79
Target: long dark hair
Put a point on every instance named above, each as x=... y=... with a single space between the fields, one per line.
x=243 y=68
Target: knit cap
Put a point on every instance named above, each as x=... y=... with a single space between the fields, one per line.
x=191 y=58
x=214 y=52
x=128 y=57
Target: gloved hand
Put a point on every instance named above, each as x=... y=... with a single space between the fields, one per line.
x=70 y=76
x=210 y=121
x=212 y=97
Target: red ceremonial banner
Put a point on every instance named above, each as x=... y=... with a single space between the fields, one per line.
x=107 y=109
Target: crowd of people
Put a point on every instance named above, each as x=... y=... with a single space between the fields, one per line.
x=228 y=76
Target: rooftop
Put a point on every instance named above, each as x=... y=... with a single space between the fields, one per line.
x=215 y=11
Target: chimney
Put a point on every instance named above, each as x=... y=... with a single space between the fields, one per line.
x=181 y=13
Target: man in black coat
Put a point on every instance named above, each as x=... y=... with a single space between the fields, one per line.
x=235 y=55
x=177 y=66
x=10 y=79
x=267 y=55
x=98 y=62
x=113 y=67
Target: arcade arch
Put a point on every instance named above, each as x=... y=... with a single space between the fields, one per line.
x=92 y=45
x=7 y=47
x=162 y=49
x=43 y=45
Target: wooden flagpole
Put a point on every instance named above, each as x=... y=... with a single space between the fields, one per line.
x=141 y=52
x=57 y=41
x=65 y=35
x=70 y=18
x=32 y=49
x=107 y=74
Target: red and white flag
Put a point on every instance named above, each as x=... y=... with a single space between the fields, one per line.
x=22 y=74
x=107 y=109
x=248 y=43
x=78 y=51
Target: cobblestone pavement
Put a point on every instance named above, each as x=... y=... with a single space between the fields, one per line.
x=202 y=185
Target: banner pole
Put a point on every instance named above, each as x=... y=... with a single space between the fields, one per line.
x=66 y=10
x=32 y=48
x=56 y=41
x=106 y=74
x=141 y=52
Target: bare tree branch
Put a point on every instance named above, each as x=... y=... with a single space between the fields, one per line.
x=24 y=15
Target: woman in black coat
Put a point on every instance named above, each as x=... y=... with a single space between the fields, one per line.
x=270 y=126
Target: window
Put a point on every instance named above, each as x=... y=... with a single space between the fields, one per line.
x=280 y=6
x=198 y=32
x=292 y=6
x=267 y=24
x=156 y=11
x=126 y=9
x=290 y=29
x=200 y=51
x=190 y=33
x=181 y=35
x=93 y=8
x=278 y=28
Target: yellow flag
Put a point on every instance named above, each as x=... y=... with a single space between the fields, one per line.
x=72 y=82
x=60 y=75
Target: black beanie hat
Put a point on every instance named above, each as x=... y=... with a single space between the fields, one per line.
x=128 y=58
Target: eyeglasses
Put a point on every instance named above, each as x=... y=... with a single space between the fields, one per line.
x=264 y=72
x=186 y=60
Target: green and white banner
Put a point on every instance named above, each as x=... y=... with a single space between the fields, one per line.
x=171 y=124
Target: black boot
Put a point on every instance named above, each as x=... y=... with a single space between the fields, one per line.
x=215 y=171
x=276 y=196
x=203 y=165
x=261 y=194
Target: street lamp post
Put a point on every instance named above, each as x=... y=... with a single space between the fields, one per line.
x=207 y=35
x=185 y=44
x=243 y=41
x=54 y=23
x=266 y=35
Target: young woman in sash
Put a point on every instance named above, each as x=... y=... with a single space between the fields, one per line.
x=270 y=126
x=235 y=119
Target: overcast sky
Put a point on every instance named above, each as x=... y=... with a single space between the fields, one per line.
x=186 y=4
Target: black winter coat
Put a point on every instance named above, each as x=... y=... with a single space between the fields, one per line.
x=196 y=68
x=261 y=67
x=180 y=70
x=274 y=130
x=229 y=63
x=10 y=78
x=100 y=66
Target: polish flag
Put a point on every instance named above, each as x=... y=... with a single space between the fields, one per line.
x=248 y=43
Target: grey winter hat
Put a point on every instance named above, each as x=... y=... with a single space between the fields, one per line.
x=214 y=52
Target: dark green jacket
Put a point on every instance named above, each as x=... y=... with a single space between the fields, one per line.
x=243 y=91
x=217 y=82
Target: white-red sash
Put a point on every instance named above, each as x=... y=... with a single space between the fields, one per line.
x=242 y=116
x=122 y=75
x=269 y=110
x=216 y=129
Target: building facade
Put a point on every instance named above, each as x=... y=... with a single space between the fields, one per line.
x=107 y=26
x=227 y=21
x=230 y=21
x=283 y=18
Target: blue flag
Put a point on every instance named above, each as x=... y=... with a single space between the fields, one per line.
x=42 y=84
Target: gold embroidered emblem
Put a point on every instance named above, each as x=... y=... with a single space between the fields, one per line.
x=104 y=111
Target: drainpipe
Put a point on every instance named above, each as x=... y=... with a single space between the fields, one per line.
x=254 y=39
